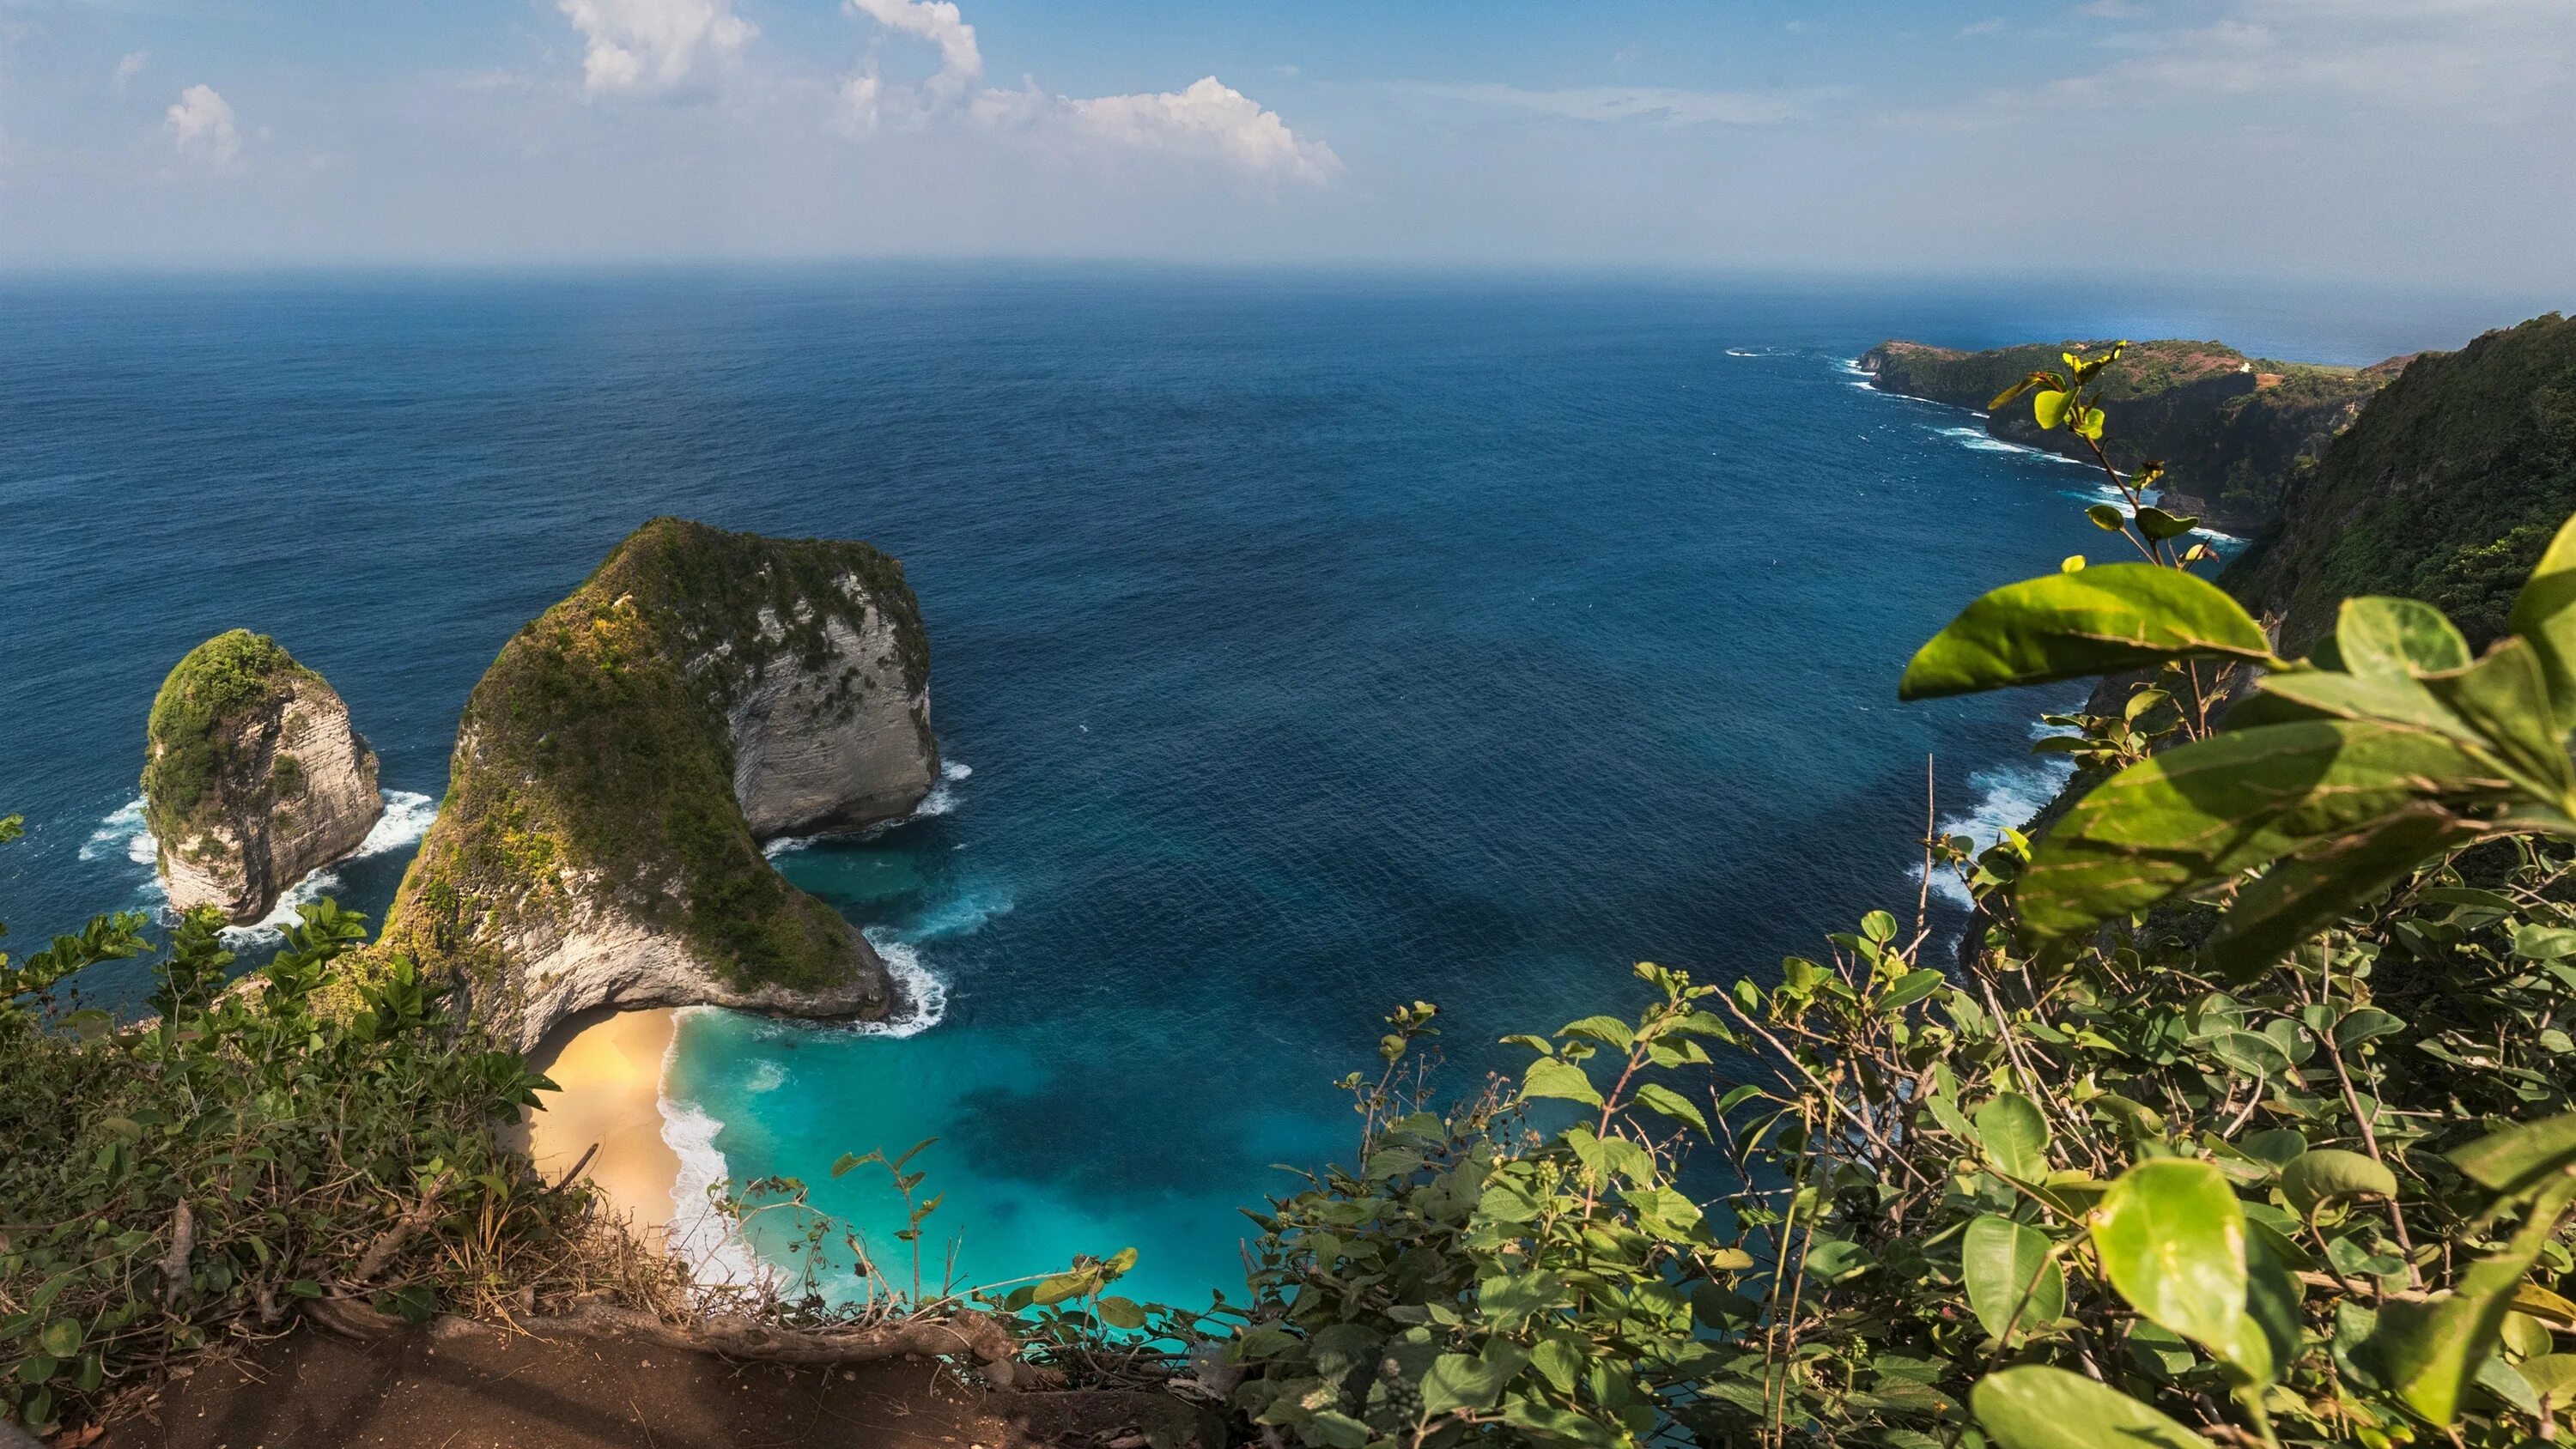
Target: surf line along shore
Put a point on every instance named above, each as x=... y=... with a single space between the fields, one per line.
x=609 y=1065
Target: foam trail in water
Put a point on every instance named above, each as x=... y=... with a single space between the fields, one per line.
x=921 y=999
x=700 y=1236
x=2007 y=796
x=939 y=801
x=407 y=818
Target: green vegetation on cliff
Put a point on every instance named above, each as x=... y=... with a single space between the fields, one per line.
x=197 y=728
x=2446 y=489
x=2231 y=430
x=596 y=748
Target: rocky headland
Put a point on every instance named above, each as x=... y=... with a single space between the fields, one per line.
x=253 y=777
x=620 y=765
x=2232 y=431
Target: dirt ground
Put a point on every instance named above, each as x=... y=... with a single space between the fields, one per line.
x=462 y=1387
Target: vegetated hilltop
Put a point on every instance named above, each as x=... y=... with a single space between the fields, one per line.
x=253 y=777
x=2230 y=429
x=2446 y=489
x=621 y=762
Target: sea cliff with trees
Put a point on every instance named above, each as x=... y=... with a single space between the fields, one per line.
x=2243 y=1116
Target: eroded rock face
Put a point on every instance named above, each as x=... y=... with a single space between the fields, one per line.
x=835 y=746
x=628 y=753
x=254 y=777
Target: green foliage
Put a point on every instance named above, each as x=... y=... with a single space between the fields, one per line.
x=2446 y=489
x=196 y=735
x=597 y=743
x=201 y=1174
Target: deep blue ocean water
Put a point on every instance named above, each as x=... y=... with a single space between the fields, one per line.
x=1315 y=642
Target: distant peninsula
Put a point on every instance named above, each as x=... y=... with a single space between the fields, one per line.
x=2233 y=431
x=620 y=765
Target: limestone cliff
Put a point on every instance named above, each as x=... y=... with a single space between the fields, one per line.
x=2232 y=431
x=621 y=762
x=253 y=777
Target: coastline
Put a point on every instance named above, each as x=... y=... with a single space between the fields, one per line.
x=609 y=1066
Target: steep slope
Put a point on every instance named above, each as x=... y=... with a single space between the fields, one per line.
x=253 y=777
x=2230 y=429
x=621 y=762
x=2446 y=490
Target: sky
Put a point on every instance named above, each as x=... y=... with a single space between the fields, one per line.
x=2423 y=142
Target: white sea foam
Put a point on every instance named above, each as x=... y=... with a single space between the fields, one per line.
x=2007 y=796
x=1982 y=441
x=698 y=1235
x=765 y=1077
x=407 y=818
x=121 y=833
x=962 y=916
x=939 y=801
x=922 y=998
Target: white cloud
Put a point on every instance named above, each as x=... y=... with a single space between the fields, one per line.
x=201 y=126
x=1209 y=121
x=1650 y=105
x=1991 y=25
x=652 y=45
x=127 y=69
x=961 y=63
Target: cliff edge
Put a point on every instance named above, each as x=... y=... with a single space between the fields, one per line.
x=253 y=777
x=620 y=764
x=2232 y=431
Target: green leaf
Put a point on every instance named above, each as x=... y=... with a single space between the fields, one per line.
x=2330 y=1174
x=2171 y=1237
x=2089 y=423
x=2015 y=1136
x=1120 y=1312
x=2384 y=698
x=1561 y=1359
x=2517 y=1158
x=1462 y=1381
x=1878 y=926
x=2202 y=812
x=1549 y=1077
x=2035 y=1407
x=1609 y=1031
x=2049 y=406
x=2505 y=699
x=2308 y=892
x=2430 y=1350
x=1910 y=988
x=2023 y=386
x=2071 y=625
x=1663 y=1099
x=2365 y=1024
x=2398 y=638
x=2544 y=614
x=2159 y=525
x=2553 y=1375
x=2106 y=518
x=61 y=1338
x=2000 y=1259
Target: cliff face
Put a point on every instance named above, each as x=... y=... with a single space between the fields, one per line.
x=620 y=764
x=2232 y=430
x=2446 y=490
x=253 y=777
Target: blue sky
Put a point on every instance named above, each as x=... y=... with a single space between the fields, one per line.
x=2399 y=141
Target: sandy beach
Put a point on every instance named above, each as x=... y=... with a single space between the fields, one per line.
x=610 y=1069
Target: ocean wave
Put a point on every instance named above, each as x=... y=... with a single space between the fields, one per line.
x=408 y=815
x=2007 y=796
x=698 y=1235
x=765 y=1077
x=961 y=915
x=922 y=997
x=939 y=801
x=1982 y=441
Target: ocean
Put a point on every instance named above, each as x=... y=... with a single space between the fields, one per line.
x=1303 y=643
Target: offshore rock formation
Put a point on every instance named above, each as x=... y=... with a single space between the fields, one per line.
x=621 y=762
x=253 y=778
x=2233 y=431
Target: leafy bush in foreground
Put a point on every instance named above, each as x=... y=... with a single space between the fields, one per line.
x=171 y=1184
x=2244 y=1119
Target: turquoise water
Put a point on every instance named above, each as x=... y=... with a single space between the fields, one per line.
x=1314 y=642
